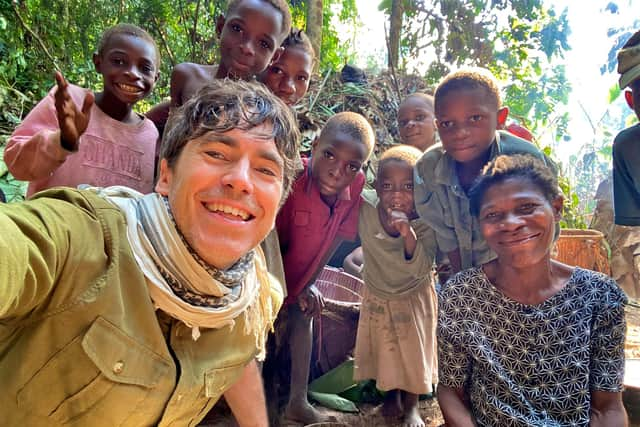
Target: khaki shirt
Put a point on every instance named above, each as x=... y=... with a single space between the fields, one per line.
x=81 y=343
x=443 y=204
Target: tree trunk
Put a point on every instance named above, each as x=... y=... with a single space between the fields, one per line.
x=395 y=29
x=314 y=27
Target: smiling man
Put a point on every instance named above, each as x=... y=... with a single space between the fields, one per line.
x=123 y=309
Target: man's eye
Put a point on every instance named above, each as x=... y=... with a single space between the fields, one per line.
x=303 y=78
x=215 y=155
x=475 y=118
x=328 y=155
x=267 y=171
x=237 y=28
x=118 y=61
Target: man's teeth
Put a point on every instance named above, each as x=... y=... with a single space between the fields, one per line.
x=215 y=207
x=128 y=88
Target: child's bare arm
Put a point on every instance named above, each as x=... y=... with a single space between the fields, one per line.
x=178 y=77
x=454 y=408
x=400 y=222
x=72 y=122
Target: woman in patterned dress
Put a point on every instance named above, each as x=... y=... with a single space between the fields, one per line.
x=525 y=340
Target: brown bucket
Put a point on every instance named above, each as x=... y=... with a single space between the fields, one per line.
x=583 y=248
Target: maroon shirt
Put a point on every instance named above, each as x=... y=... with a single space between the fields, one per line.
x=307 y=228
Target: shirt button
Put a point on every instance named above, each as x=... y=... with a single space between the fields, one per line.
x=118 y=367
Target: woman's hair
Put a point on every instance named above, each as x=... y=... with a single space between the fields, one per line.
x=128 y=30
x=400 y=153
x=518 y=166
x=298 y=38
x=223 y=105
x=469 y=79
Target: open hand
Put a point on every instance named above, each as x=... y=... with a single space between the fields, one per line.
x=72 y=122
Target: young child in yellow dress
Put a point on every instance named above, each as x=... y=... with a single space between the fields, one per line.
x=396 y=338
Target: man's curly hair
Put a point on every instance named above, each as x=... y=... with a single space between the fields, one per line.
x=223 y=105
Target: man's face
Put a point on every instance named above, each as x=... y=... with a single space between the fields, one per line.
x=249 y=37
x=467 y=121
x=224 y=191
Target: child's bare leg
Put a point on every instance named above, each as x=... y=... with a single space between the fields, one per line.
x=300 y=341
x=411 y=416
x=392 y=406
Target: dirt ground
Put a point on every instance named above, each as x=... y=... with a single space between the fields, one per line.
x=369 y=416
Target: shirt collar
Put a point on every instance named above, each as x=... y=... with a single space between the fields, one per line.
x=445 y=171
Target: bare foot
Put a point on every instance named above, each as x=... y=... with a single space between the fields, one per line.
x=392 y=406
x=412 y=418
x=304 y=413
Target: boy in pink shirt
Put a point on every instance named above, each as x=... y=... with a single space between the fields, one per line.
x=75 y=137
x=320 y=212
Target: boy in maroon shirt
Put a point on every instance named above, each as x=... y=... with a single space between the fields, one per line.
x=320 y=212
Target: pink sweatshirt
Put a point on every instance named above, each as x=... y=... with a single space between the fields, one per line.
x=109 y=152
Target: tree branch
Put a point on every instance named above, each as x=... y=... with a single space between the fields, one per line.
x=163 y=39
x=35 y=36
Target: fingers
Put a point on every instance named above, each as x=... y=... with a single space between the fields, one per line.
x=89 y=99
x=60 y=80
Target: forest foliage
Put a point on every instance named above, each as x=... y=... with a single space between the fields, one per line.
x=521 y=41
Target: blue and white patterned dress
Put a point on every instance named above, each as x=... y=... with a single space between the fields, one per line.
x=527 y=365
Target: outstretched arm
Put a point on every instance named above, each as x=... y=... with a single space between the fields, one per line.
x=246 y=398
x=48 y=134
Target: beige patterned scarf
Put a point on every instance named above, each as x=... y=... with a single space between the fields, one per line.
x=157 y=244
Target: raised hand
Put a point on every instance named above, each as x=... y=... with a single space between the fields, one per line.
x=72 y=122
x=400 y=222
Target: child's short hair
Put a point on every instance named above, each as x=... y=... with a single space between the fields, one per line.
x=402 y=153
x=427 y=98
x=223 y=105
x=298 y=38
x=129 y=30
x=281 y=5
x=354 y=125
x=503 y=167
x=629 y=61
x=469 y=79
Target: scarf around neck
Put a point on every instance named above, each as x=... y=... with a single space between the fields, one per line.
x=186 y=287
